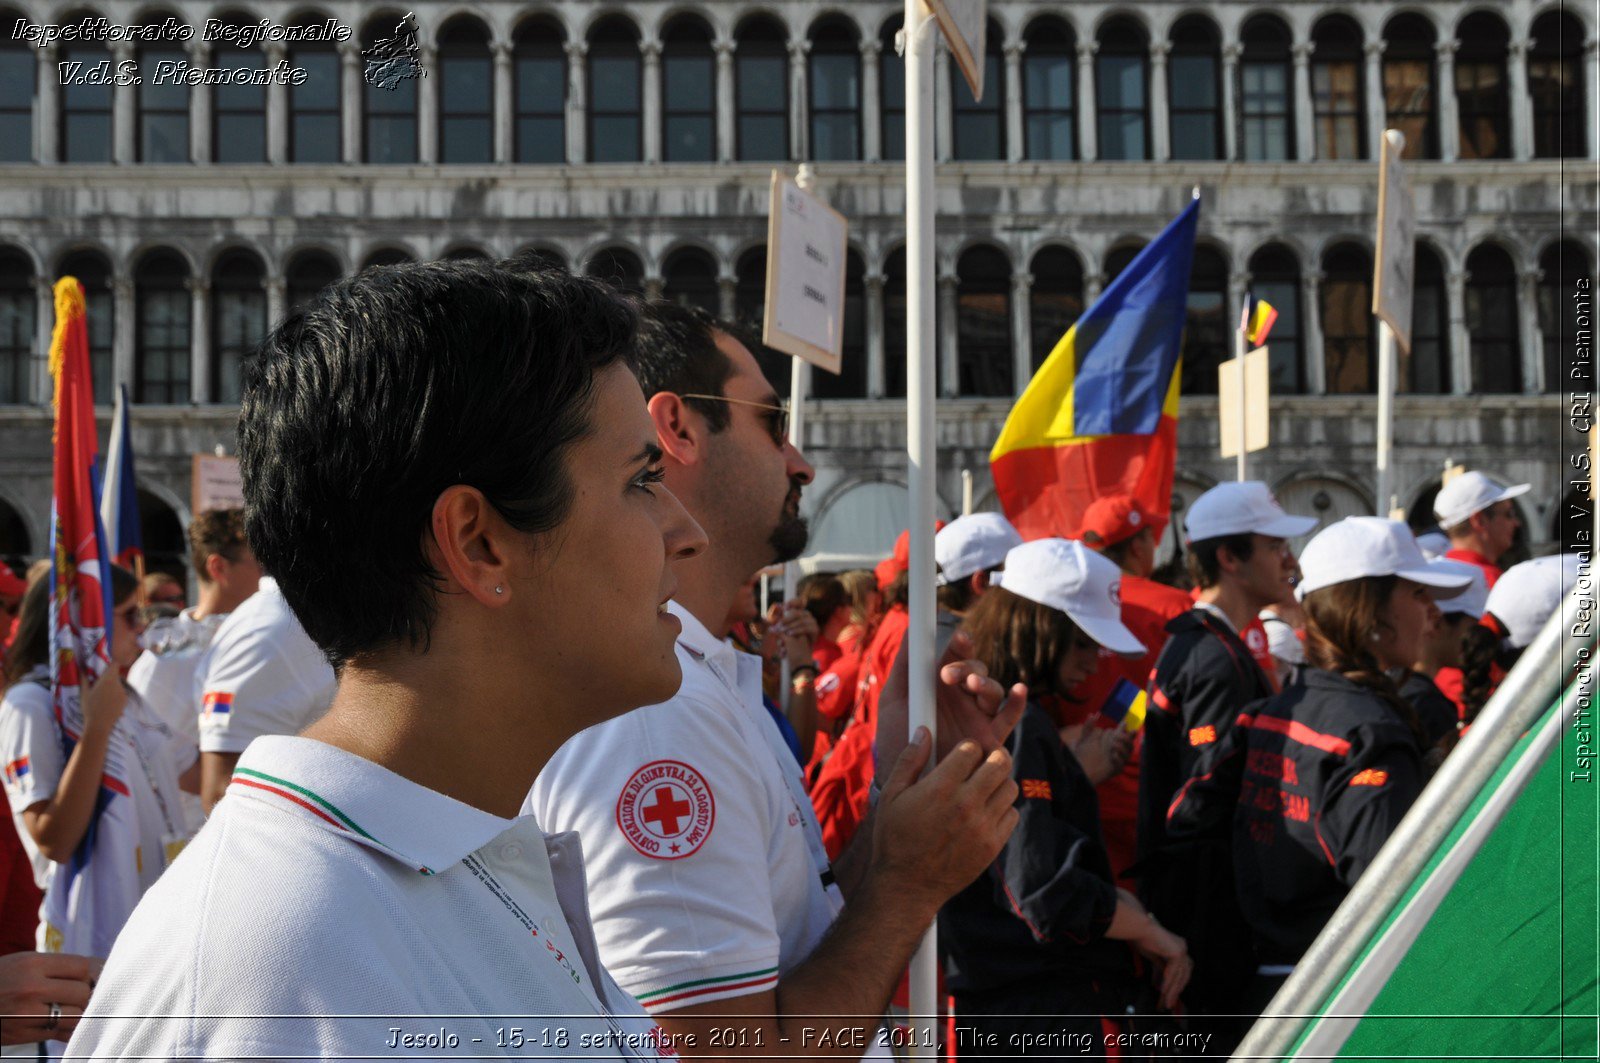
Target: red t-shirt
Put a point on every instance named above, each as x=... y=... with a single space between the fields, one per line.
x=1491 y=571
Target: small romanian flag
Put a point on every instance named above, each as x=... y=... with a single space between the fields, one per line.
x=1125 y=705
x=1262 y=316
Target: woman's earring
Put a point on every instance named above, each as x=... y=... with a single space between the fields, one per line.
x=1375 y=636
x=501 y=590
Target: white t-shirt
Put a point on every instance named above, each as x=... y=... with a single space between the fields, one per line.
x=708 y=877
x=30 y=752
x=164 y=676
x=262 y=675
x=337 y=893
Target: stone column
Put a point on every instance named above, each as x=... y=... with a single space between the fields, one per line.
x=1021 y=331
x=1591 y=77
x=944 y=104
x=871 y=101
x=1316 y=356
x=1238 y=291
x=1521 y=101
x=1085 y=103
x=1015 y=144
x=44 y=310
x=1160 y=102
x=651 y=51
x=202 y=382
x=876 y=370
x=727 y=296
x=428 y=104
x=504 y=103
x=1377 y=104
x=124 y=122
x=277 y=108
x=1449 y=119
x=47 y=115
x=1093 y=285
x=726 y=133
x=1305 y=115
x=1531 y=337
x=949 y=336
x=1230 y=106
x=653 y=284
x=1460 y=338
x=799 y=105
x=577 y=102
x=350 y=100
x=124 y=324
x=277 y=299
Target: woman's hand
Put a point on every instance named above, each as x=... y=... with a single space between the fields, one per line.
x=103 y=705
x=1170 y=954
x=1102 y=752
x=34 y=986
x=795 y=625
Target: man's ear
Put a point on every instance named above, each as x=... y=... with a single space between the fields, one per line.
x=679 y=430
x=216 y=565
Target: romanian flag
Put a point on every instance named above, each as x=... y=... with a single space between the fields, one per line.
x=1101 y=414
x=119 y=500
x=1259 y=323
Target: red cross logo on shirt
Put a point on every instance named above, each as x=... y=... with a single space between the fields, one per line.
x=666 y=811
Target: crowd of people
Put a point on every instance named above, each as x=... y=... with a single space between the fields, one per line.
x=477 y=723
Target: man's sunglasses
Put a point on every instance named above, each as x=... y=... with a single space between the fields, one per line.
x=777 y=419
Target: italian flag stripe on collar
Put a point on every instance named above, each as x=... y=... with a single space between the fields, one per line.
x=307 y=799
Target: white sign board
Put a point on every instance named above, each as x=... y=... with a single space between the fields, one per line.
x=805 y=276
x=1256 y=419
x=215 y=484
x=966 y=31
x=1395 y=265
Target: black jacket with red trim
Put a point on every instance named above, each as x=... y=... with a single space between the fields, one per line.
x=1202 y=681
x=1317 y=779
x=1039 y=914
x=1437 y=713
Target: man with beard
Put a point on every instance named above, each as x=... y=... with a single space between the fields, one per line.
x=714 y=902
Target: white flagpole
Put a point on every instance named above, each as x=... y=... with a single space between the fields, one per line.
x=1239 y=344
x=918 y=50
x=799 y=379
x=1386 y=386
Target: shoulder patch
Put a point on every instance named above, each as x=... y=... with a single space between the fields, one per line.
x=1370 y=777
x=1037 y=788
x=216 y=703
x=1202 y=736
x=666 y=810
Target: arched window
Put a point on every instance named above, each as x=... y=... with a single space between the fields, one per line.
x=1427 y=370
x=1275 y=277
x=1055 y=301
x=1565 y=272
x=861 y=521
x=309 y=272
x=851 y=381
x=163 y=103
x=1122 y=79
x=761 y=90
x=165 y=545
x=834 y=70
x=85 y=123
x=1049 y=121
x=892 y=92
x=542 y=258
x=980 y=125
x=238 y=112
x=1195 y=89
x=1117 y=259
x=16 y=545
x=161 y=334
x=689 y=277
x=1347 y=335
x=386 y=256
x=540 y=69
x=94 y=273
x=619 y=267
x=616 y=130
x=1206 y=330
x=1492 y=321
x=316 y=126
x=1336 y=100
x=238 y=318
x=389 y=110
x=1483 y=98
x=466 y=93
x=17 y=87
x=467 y=254
x=1265 y=96
x=750 y=288
x=689 y=92
x=894 y=324
x=983 y=322
x=17 y=337
x=1555 y=81
x=1409 y=88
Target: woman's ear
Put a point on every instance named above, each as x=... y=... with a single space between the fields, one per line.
x=468 y=543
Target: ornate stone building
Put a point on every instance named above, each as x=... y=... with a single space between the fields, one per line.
x=634 y=140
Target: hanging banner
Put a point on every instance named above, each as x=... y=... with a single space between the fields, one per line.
x=1255 y=418
x=806 y=252
x=966 y=32
x=1395 y=263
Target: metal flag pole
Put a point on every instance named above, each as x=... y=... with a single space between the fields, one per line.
x=799 y=383
x=918 y=41
x=1386 y=369
x=1243 y=417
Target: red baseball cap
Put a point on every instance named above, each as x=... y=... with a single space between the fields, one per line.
x=10 y=582
x=900 y=560
x=1113 y=518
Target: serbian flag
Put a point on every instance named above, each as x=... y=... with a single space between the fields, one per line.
x=119 y=499
x=83 y=911
x=1101 y=415
x=1258 y=321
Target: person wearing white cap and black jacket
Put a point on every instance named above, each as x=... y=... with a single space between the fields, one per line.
x=1035 y=945
x=1441 y=648
x=1481 y=520
x=1514 y=611
x=1316 y=779
x=1239 y=555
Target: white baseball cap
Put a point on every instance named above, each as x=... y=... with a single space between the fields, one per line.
x=973 y=543
x=1071 y=577
x=1526 y=595
x=1470 y=601
x=1469 y=493
x=1435 y=544
x=1363 y=547
x=1240 y=508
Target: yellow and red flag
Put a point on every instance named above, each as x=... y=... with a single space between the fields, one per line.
x=1262 y=316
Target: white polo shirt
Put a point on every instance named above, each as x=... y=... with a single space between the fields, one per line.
x=262 y=675
x=164 y=675
x=708 y=877
x=31 y=757
x=331 y=908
